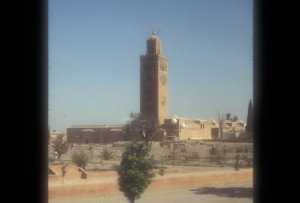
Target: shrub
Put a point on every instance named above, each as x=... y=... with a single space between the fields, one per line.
x=80 y=158
x=239 y=150
x=106 y=154
x=115 y=167
x=213 y=150
x=183 y=150
x=162 y=170
x=237 y=164
x=218 y=155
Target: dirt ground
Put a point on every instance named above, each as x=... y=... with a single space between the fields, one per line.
x=225 y=193
x=189 y=157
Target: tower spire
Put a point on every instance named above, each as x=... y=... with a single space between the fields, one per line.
x=153 y=31
x=154 y=80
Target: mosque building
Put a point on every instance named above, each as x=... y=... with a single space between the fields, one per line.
x=153 y=104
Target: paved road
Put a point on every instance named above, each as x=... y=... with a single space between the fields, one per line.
x=230 y=193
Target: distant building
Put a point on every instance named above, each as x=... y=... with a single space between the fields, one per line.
x=188 y=129
x=232 y=129
x=94 y=133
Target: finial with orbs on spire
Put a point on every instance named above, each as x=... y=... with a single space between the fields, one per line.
x=153 y=31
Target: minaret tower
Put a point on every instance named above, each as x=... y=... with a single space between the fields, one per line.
x=154 y=81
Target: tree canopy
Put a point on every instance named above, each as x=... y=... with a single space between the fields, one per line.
x=136 y=170
x=249 y=126
x=146 y=128
x=60 y=145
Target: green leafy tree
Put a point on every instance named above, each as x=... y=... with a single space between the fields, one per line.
x=136 y=170
x=249 y=126
x=60 y=145
x=146 y=128
x=235 y=118
x=228 y=116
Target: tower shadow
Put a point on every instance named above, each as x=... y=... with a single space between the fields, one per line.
x=232 y=192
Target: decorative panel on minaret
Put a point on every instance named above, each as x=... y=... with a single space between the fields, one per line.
x=154 y=81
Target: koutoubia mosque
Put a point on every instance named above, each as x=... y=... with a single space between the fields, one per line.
x=154 y=81
x=154 y=104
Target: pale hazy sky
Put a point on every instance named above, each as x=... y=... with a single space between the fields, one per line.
x=95 y=48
